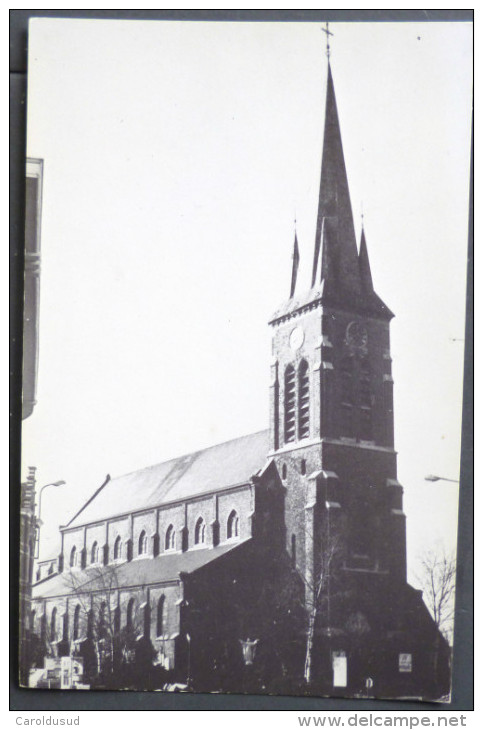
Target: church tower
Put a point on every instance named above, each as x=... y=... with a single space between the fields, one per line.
x=331 y=404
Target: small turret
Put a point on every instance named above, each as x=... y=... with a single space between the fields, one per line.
x=364 y=266
x=295 y=265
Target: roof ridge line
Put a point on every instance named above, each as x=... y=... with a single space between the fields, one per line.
x=93 y=496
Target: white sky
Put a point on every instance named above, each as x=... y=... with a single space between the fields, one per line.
x=175 y=157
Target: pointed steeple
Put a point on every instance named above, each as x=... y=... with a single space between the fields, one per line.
x=341 y=276
x=334 y=212
x=364 y=266
x=295 y=265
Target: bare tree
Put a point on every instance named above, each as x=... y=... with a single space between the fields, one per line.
x=317 y=582
x=437 y=574
x=102 y=603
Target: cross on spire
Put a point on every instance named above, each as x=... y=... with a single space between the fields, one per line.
x=327 y=33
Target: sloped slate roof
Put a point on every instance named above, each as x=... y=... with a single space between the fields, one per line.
x=217 y=467
x=146 y=571
x=368 y=302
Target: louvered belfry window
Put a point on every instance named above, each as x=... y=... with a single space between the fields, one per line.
x=304 y=401
x=289 y=404
x=347 y=398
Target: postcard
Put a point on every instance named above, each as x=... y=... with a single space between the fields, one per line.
x=246 y=250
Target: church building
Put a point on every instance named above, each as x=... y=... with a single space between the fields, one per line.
x=275 y=562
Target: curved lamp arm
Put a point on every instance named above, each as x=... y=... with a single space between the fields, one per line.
x=434 y=478
x=60 y=483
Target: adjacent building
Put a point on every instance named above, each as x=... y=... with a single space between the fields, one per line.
x=33 y=216
x=28 y=522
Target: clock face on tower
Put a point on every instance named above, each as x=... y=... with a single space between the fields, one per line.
x=356 y=336
x=297 y=338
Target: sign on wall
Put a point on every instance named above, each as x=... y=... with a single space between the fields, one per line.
x=339 y=668
x=405 y=662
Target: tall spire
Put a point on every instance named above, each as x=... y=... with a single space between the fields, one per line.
x=364 y=266
x=335 y=208
x=295 y=265
x=340 y=275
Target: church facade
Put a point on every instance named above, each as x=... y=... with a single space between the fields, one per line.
x=275 y=562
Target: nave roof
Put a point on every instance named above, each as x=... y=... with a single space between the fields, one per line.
x=218 y=467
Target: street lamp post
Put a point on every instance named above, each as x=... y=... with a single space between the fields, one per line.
x=59 y=483
x=29 y=551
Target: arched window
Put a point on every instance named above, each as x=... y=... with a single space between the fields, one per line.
x=289 y=400
x=303 y=467
x=169 y=541
x=365 y=384
x=347 y=398
x=117 y=548
x=90 y=623
x=200 y=531
x=147 y=621
x=160 y=617
x=284 y=471
x=32 y=622
x=233 y=525
x=101 y=626
x=73 y=557
x=155 y=545
x=43 y=627
x=361 y=534
x=76 y=626
x=143 y=543
x=388 y=410
x=65 y=627
x=95 y=553
x=53 y=625
x=304 y=401
x=130 y=615
x=117 y=621
x=38 y=574
x=365 y=401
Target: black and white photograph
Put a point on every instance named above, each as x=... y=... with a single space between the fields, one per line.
x=244 y=337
